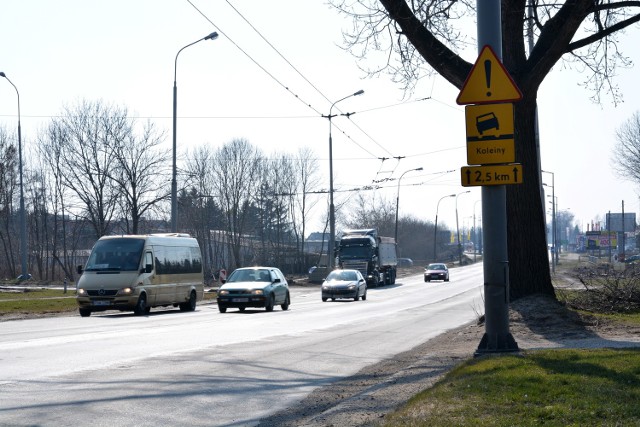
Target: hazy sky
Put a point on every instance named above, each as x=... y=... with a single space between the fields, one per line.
x=270 y=76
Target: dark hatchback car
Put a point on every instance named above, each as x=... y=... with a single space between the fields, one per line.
x=436 y=271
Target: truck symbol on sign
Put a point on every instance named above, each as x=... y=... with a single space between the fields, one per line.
x=486 y=122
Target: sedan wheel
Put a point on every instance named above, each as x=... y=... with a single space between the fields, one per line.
x=287 y=301
x=270 y=303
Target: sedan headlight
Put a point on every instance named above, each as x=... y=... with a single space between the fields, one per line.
x=223 y=292
x=352 y=287
x=257 y=292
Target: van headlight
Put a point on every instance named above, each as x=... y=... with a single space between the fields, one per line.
x=82 y=292
x=125 y=291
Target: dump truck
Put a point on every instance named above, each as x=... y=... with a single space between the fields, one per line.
x=374 y=256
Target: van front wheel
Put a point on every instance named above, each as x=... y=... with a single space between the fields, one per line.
x=84 y=312
x=141 y=306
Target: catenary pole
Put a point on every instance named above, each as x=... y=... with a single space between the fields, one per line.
x=497 y=338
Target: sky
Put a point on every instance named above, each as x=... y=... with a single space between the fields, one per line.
x=271 y=75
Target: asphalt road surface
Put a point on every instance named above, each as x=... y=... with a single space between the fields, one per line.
x=205 y=368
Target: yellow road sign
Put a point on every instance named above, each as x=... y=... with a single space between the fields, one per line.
x=491 y=152
x=488 y=82
x=489 y=121
x=490 y=134
x=474 y=176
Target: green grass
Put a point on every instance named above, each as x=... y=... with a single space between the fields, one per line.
x=546 y=387
x=42 y=301
x=557 y=387
x=38 y=301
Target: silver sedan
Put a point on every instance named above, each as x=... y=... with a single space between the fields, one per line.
x=344 y=284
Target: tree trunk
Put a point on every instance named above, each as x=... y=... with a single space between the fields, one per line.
x=526 y=234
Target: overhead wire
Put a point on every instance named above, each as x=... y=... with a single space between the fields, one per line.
x=295 y=69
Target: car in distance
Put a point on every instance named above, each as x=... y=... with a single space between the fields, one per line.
x=345 y=284
x=405 y=262
x=633 y=259
x=436 y=271
x=254 y=287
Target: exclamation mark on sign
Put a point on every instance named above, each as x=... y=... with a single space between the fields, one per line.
x=487 y=75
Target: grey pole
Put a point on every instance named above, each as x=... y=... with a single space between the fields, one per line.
x=497 y=337
x=398 y=199
x=332 y=212
x=435 y=228
x=174 y=183
x=24 y=275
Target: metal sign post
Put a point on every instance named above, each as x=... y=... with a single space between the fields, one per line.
x=489 y=83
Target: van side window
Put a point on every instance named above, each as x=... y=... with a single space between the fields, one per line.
x=148 y=259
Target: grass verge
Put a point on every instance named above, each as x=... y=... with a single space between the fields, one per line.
x=41 y=301
x=545 y=387
x=558 y=387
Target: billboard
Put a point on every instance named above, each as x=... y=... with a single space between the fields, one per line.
x=615 y=223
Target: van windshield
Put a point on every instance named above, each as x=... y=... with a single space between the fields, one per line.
x=115 y=255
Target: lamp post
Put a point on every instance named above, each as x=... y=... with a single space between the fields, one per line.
x=458 y=228
x=23 y=221
x=475 y=232
x=174 y=184
x=554 y=260
x=332 y=213
x=435 y=228
x=398 y=199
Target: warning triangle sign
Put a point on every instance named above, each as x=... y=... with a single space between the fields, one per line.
x=488 y=82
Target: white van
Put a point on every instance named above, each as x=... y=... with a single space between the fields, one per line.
x=139 y=272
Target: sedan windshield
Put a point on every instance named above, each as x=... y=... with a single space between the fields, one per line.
x=436 y=267
x=250 y=275
x=342 y=275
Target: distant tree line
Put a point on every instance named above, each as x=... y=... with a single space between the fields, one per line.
x=95 y=170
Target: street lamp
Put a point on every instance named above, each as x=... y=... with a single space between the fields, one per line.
x=458 y=228
x=174 y=184
x=554 y=259
x=398 y=199
x=475 y=232
x=332 y=214
x=435 y=228
x=23 y=221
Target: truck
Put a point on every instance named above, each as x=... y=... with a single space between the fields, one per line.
x=374 y=256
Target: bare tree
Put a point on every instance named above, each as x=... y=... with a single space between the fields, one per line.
x=89 y=132
x=8 y=185
x=141 y=172
x=236 y=166
x=207 y=219
x=63 y=242
x=306 y=181
x=626 y=154
x=274 y=228
x=421 y=37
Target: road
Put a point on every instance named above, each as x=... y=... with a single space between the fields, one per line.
x=207 y=368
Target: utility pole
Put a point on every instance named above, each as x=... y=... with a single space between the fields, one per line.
x=497 y=338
